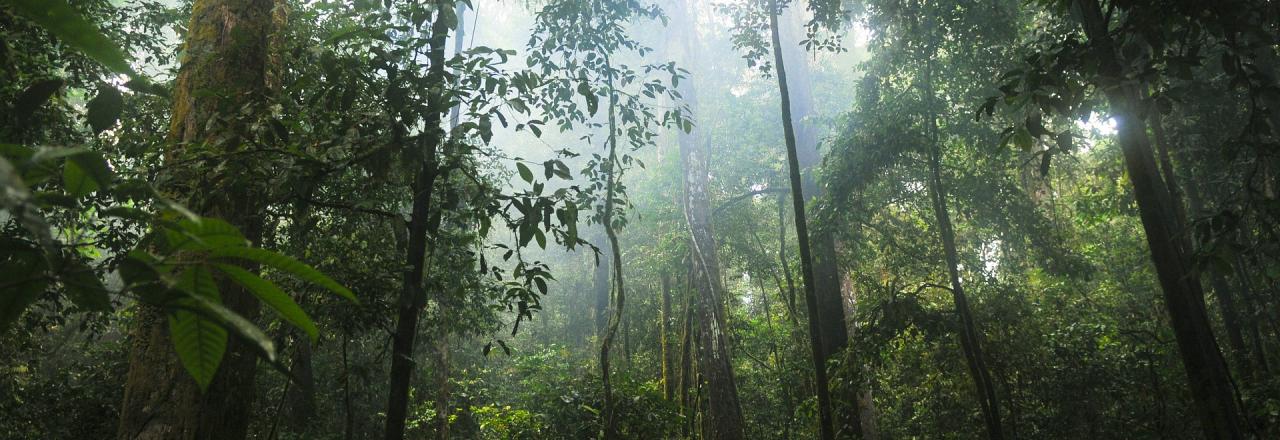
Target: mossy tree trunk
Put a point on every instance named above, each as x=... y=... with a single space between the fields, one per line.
x=224 y=70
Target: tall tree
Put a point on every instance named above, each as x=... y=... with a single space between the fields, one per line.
x=224 y=69
x=723 y=419
x=970 y=342
x=825 y=422
x=413 y=295
x=1184 y=298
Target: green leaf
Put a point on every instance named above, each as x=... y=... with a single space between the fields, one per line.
x=286 y=264
x=525 y=172
x=77 y=181
x=273 y=297
x=205 y=234
x=35 y=96
x=200 y=343
x=234 y=322
x=85 y=172
x=104 y=109
x=22 y=280
x=198 y=339
x=593 y=102
x=84 y=288
x=63 y=21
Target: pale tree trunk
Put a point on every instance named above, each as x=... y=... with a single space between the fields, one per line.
x=664 y=339
x=723 y=417
x=1206 y=370
x=863 y=401
x=226 y=51
x=413 y=297
x=825 y=423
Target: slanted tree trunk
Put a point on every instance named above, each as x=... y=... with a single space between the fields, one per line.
x=1206 y=370
x=224 y=67
x=970 y=343
x=826 y=271
x=1217 y=281
x=413 y=297
x=825 y=423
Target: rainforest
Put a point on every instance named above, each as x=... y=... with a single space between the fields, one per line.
x=639 y=219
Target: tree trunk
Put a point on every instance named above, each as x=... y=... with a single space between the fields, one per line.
x=826 y=270
x=412 y=296
x=302 y=398
x=1205 y=368
x=619 y=293
x=802 y=236
x=723 y=418
x=969 y=340
x=686 y=357
x=664 y=339
x=863 y=404
x=602 y=287
x=225 y=51
x=1217 y=280
x=970 y=343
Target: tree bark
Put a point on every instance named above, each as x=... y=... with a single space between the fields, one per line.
x=619 y=293
x=969 y=340
x=664 y=338
x=723 y=418
x=1206 y=370
x=826 y=269
x=225 y=53
x=802 y=236
x=413 y=296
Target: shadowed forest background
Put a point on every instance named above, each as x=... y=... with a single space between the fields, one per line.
x=639 y=219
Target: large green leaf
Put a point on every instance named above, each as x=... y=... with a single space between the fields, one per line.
x=77 y=181
x=231 y=320
x=35 y=96
x=203 y=234
x=63 y=21
x=104 y=109
x=286 y=264
x=22 y=280
x=199 y=340
x=84 y=287
x=273 y=297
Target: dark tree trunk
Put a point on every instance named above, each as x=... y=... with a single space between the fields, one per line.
x=226 y=50
x=686 y=356
x=802 y=236
x=826 y=270
x=970 y=342
x=302 y=398
x=413 y=296
x=1206 y=370
x=602 y=286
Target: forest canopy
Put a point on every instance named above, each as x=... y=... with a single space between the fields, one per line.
x=639 y=219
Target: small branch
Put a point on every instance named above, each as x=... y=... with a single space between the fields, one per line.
x=741 y=197
x=333 y=205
